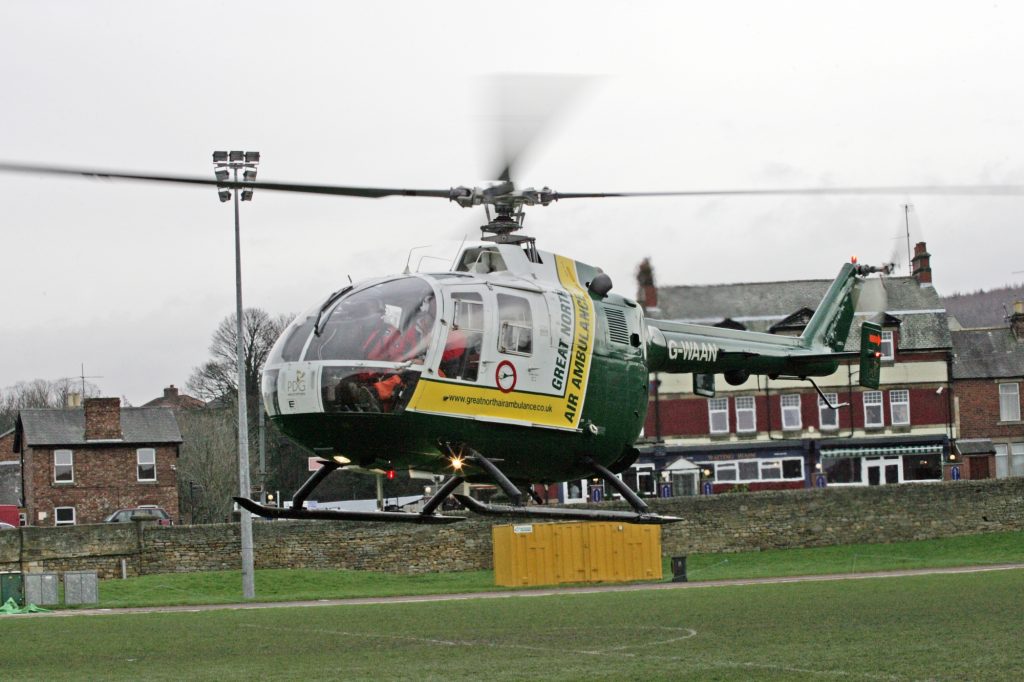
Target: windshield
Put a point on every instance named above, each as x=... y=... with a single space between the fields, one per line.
x=387 y=322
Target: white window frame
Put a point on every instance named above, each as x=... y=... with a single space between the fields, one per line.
x=888 y=346
x=734 y=466
x=584 y=491
x=139 y=464
x=1009 y=402
x=1016 y=461
x=56 y=516
x=827 y=414
x=874 y=402
x=745 y=406
x=1002 y=459
x=792 y=420
x=718 y=407
x=899 y=398
x=70 y=464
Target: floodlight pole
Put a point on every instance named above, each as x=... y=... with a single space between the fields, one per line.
x=236 y=161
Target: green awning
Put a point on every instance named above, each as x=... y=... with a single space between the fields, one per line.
x=882 y=451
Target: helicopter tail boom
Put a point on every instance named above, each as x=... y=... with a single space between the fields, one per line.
x=677 y=347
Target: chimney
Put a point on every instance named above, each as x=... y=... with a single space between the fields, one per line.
x=171 y=393
x=1017 y=320
x=920 y=265
x=103 y=419
x=647 y=292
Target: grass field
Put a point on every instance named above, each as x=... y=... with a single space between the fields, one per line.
x=292 y=585
x=937 y=627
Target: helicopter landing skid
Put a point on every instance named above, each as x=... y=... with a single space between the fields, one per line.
x=561 y=513
x=341 y=514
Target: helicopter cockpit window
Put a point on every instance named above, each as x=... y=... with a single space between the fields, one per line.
x=481 y=260
x=461 y=356
x=516 y=335
x=388 y=322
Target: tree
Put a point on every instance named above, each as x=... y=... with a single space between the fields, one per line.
x=39 y=393
x=208 y=464
x=217 y=378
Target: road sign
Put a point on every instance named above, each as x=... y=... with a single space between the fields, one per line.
x=954 y=472
x=820 y=480
x=596 y=494
x=707 y=488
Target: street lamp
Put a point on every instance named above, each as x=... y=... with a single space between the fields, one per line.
x=225 y=164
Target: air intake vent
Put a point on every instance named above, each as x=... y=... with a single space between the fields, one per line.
x=618 y=330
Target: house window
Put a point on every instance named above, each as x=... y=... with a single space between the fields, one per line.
x=746 y=416
x=146 y=464
x=899 y=407
x=791 y=412
x=725 y=472
x=718 y=415
x=63 y=466
x=828 y=418
x=873 y=418
x=1017 y=459
x=64 y=516
x=888 y=346
x=1002 y=460
x=1009 y=402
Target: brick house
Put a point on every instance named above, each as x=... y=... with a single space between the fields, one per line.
x=79 y=465
x=988 y=372
x=175 y=400
x=776 y=434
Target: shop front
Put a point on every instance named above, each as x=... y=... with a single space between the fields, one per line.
x=883 y=462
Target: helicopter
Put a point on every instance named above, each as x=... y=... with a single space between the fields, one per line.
x=513 y=367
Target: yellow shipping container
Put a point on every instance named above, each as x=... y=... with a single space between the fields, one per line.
x=582 y=552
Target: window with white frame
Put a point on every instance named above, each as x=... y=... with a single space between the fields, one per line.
x=145 y=464
x=64 y=516
x=1009 y=402
x=746 y=414
x=899 y=407
x=1002 y=459
x=63 y=466
x=828 y=418
x=1017 y=459
x=718 y=415
x=754 y=470
x=873 y=417
x=791 y=412
x=888 y=348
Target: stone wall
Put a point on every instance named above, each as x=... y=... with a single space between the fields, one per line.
x=719 y=523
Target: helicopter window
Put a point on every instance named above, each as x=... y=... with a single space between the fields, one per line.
x=481 y=260
x=461 y=356
x=389 y=322
x=516 y=336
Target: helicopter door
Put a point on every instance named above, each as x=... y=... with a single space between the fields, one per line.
x=460 y=355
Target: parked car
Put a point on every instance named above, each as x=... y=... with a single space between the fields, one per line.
x=127 y=515
x=7 y=526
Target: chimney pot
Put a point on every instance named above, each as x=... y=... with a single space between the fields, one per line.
x=921 y=269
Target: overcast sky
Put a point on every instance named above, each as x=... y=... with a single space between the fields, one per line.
x=130 y=280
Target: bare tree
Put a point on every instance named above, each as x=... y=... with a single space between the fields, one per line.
x=217 y=378
x=208 y=465
x=39 y=393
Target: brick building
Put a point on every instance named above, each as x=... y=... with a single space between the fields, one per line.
x=175 y=400
x=79 y=465
x=772 y=434
x=988 y=372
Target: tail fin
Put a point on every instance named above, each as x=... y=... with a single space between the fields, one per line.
x=830 y=324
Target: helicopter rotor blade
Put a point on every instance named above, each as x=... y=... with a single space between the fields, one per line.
x=338 y=190
x=997 y=190
x=523 y=106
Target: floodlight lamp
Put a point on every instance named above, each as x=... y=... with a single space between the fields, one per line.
x=249 y=176
x=252 y=157
x=221 y=174
x=246 y=195
x=237 y=155
x=224 y=194
x=341 y=459
x=220 y=157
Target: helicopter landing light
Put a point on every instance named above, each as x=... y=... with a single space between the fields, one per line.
x=456 y=462
x=341 y=459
